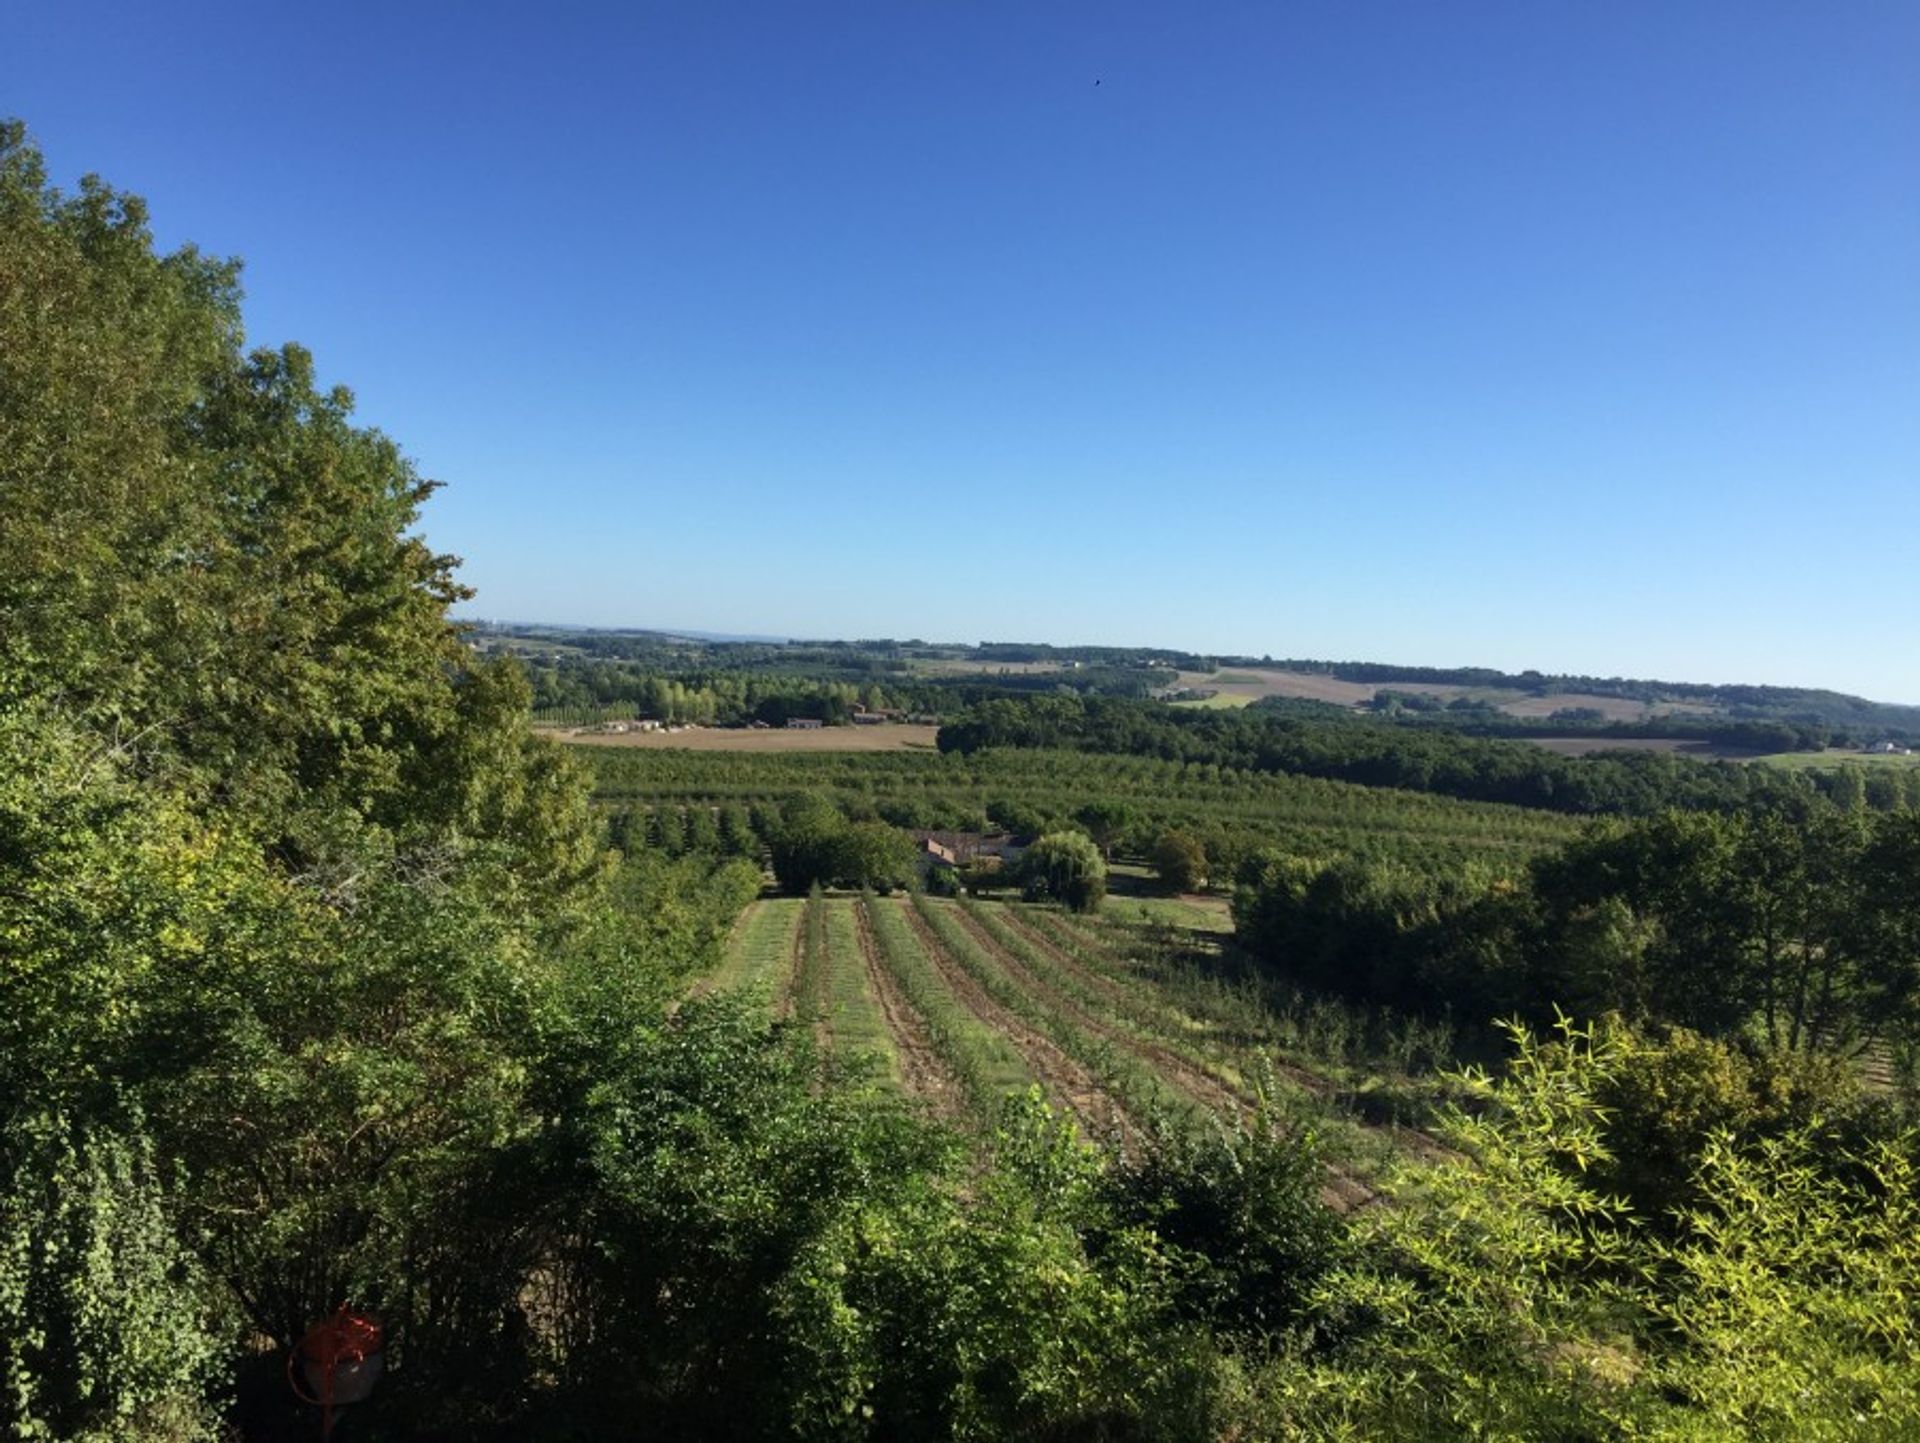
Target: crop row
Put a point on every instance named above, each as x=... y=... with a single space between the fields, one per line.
x=1126 y=1078
x=981 y=1061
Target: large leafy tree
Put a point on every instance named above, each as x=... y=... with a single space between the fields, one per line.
x=208 y=565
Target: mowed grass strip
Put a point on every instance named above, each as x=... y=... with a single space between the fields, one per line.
x=854 y=1024
x=981 y=1061
x=762 y=950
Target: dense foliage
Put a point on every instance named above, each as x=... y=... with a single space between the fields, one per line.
x=1804 y=934
x=1325 y=743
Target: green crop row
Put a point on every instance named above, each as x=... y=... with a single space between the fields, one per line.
x=984 y=1063
x=1131 y=1082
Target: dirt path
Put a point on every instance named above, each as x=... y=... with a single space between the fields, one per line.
x=1069 y=1083
x=922 y=1072
x=787 y=988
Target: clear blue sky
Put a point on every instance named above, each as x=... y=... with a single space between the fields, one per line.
x=1577 y=336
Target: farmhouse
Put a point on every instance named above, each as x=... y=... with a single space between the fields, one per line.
x=946 y=850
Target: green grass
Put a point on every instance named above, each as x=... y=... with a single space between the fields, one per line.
x=1168 y=912
x=761 y=951
x=1220 y=701
x=1831 y=760
x=853 y=1016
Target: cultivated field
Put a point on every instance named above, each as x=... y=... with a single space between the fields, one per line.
x=1123 y=1020
x=1582 y=746
x=891 y=737
x=1305 y=815
x=1243 y=687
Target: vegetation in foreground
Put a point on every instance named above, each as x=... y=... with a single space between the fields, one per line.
x=317 y=984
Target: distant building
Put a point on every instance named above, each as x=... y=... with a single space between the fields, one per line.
x=804 y=724
x=955 y=848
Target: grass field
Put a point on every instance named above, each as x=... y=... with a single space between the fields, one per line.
x=761 y=952
x=1827 y=760
x=889 y=737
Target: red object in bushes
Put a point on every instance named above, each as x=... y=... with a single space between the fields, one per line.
x=340 y=1361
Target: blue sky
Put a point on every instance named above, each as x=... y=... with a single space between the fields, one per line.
x=1584 y=337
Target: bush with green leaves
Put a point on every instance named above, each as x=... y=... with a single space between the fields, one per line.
x=1507 y=1293
x=109 y=1328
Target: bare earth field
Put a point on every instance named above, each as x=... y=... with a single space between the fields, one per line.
x=888 y=738
x=1614 y=708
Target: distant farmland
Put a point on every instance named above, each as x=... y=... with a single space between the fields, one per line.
x=887 y=738
x=1827 y=760
x=1243 y=686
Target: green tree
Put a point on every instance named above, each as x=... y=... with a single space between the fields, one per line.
x=209 y=565
x=1064 y=867
x=1106 y=822
x=1180 y=860
x=806 y=845
x=875 y=855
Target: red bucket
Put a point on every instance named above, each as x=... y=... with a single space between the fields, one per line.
x=340 y=1359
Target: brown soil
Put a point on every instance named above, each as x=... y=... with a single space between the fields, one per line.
x=789 y=986
x=922 y=1072
x=1063 y=1079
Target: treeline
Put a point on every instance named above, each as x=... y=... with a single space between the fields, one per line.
x=1483 y=718
x=585 y=689
x=605 y=690
x=1379 y=754
x=1802 y=932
